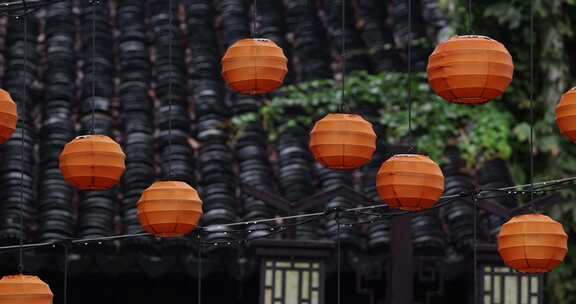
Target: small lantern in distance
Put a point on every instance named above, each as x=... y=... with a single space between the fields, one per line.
x=8 y=116
x=92 y=162
x=470 y=69
x=566 y=114
x=169 y=209
x=254 y=66
x=342 y=141
x=24 y=289
x=532 y=243
x=410 y=182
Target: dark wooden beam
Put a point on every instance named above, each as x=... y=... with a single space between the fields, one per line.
x=492 y=207
x=281 y=204
x=539 y=204
x=400 y=283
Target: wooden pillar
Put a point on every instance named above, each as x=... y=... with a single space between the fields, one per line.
x=400 y=283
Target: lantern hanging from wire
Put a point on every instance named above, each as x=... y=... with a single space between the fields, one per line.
x=410 y=182
x=8 y=116
x=532 y=243
x=254 y=66
x=342 y=141
x=470 y=69
x=92 y=162
x=169 y=209
x=24 y=289
x=566 y=114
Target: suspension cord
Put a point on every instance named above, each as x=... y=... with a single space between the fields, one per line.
x=344 y=59
x=22 y=127
x=409 y=72
x=532 y=41
x=93 y=101
x=171 y=34
x=338 y=258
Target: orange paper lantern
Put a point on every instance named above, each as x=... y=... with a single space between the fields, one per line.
x=470 y=69
x=169 y=209
x=410 y=182
x=532 y=243
x=342 y=141
x=566 y=114
x=254 y=66
x=8 y=116
x=92 y=162
x=24 y=289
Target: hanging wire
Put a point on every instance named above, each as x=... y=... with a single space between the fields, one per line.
x=310 y=217
x=338 y=258
x=66 y=255
x=170 y=33
x=344 y=59
x=199 y=268
x=469 y=18
x=254 y=16
x=22 y=127
x=409 y=72
x=93 y=101
x=532 y=41
x=475 y=248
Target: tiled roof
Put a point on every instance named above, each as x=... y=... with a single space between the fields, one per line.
x=131 y=104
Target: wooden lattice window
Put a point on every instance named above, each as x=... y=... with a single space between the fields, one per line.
x=502 y=285
x=292 y=282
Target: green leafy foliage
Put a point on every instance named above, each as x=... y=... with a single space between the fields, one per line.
x=480 y=132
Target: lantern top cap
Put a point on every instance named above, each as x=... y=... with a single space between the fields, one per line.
x=473 y=37
x=408 y=155
x=5 y=95
x=90 y=136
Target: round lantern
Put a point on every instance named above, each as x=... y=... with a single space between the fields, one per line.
x=566 y=115
x=8 y=116
x=92 y=162
x=169 y=209
x=470 y=69
x=532 y=243
x=254 y=66
x=24 y=289
x=410 y=182
x=342 y=141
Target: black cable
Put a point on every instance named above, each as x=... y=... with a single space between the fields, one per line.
x=170 y=33
x=409 y=72
x=475 y=247
x=199 y=268
x=66 y=256
x=22 y=127
x=344 y=59
x=93 y=102
x=532 y=41
x=311 y=217
x=469 y=18
x=338 y=258
x=254 y=16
